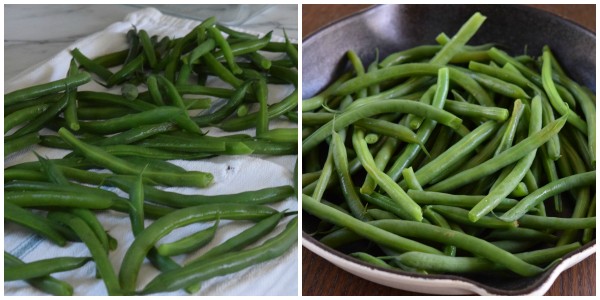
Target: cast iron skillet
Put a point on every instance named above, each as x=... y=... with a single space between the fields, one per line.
x=390 y=28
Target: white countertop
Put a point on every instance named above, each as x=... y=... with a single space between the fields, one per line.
x=35 y=33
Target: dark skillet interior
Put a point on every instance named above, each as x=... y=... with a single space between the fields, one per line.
x=516 y=29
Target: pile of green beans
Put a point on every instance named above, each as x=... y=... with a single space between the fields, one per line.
x=439 y=159
x=173 y=93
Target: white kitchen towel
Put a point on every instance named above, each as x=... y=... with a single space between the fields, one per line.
x=232 y=174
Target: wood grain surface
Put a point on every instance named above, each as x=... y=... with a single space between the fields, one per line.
x=319 y=277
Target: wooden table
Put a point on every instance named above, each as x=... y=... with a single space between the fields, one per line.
x=319 y=277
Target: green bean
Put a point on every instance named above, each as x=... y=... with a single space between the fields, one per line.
x=588 y=233
x=35 y=222
x=538 y=222
x=396 y=193
x=162 y=226
x=318 y=100
x=397 y=131
x=461 y=216
x=463 y=147
x=284 y=135
x=555 y=98
x=427 y=127
x=225 y=264
x=413 y=69
x=514 y=177
x=23 y=115
x=100 y=257
x=476 y=111
x=371 y=138
x=464 y=201
x=55 y=176
x=582 y=194
x=101 y=98
x=101 y=113
x=25 y=185
x=48 y=99
x=226 y=110
x=91 y=66
x=505 y=158
x=261 y=90
x=189 y=243
x=148 y=48
x=57 y=199
x=287 y=104
x=36 y=91
x=509 y=134
x=226 y=48
x=291 y=51
x=111 y=59
x=380 y=214
x=128 y=69
x=43 y=267
x=97 y=155
x=382 y=158
x=371 y=260
x=340 y=158
x=518 y=233
x=235 y=33
x=38 y=123
x=19 y=143
x=549 y=190
x=215 y=66
x=154 y=90
x=134 y=45
x=463 y=241
x=410 y=55
x=411 y=179
x=498 y=85
x=247 y=46
x=17 y=174
x=242 y=239
x=386 y=203
x=172 y=92
x=135 y=134
x=437 y=219
x=46 y=284
x=361 y=228
x=589 y=111
x=352 y=115
x=534 y=82
x=447 y=264
x=205 y=90
x=259 y=60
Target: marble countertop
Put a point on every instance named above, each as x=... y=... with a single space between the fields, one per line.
x=35 y=33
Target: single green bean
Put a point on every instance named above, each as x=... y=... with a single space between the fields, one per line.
x=36 y=91
x=555 y=98
x=549 y=190
x=189 y=243
x=43 y=267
